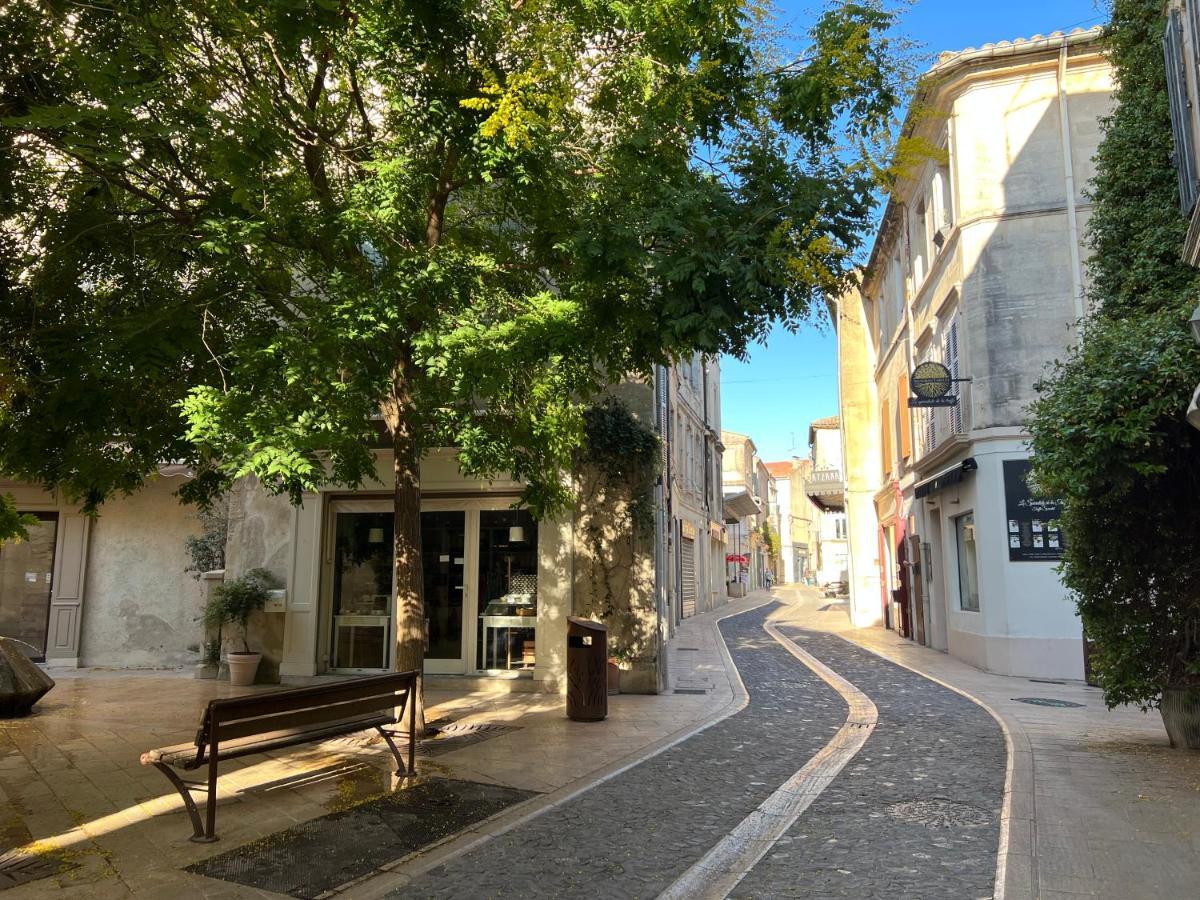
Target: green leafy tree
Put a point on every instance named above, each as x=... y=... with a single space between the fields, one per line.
x=1109 y=433
x=317 y=228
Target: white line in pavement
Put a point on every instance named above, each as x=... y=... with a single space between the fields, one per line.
x=1000 y=891
x=397 y=875
x=719 y=871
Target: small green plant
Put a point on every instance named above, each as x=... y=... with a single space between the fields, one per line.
x=207 y=549
x=233 y=602
x=212 y=651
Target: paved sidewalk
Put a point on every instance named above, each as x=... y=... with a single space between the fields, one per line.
x=1101 y=805
x=916 y=814
x=633 y=834
x=72 y=788
x=882 y=828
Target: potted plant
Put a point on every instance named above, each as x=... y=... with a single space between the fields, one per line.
x=210 y=662
x=616 y=657
x=232 y=603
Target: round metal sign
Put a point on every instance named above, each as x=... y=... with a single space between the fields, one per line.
x=929 y=380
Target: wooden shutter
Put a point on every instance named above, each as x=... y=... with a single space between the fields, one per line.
x=1180 y=106
x=886 y=427
x=905 y=418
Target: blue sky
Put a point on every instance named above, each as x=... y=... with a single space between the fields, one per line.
x=791 y=381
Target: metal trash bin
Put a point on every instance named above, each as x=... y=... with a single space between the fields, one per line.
x=587 y=670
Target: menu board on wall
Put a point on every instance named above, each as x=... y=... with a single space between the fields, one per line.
x=1034 y=523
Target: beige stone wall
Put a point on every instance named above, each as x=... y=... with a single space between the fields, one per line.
x=140 y=608
x=614 y=579
x=859 y=412
x=261 y=535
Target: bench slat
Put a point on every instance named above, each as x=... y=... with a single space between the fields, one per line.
x=312 y=695
x=183 y=756
x=301 y=718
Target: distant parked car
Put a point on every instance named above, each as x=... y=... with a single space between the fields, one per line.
x=836 y=589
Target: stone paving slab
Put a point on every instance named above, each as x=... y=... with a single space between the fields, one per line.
x=1101 y=806
x=916 y=814
x=632 y=835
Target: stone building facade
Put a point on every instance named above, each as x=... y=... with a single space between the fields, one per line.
x=695 y=538
x=499 y=585
x=978 y=265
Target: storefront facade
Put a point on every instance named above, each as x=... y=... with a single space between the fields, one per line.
x=497 y=582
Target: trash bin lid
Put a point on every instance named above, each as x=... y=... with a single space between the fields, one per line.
x=586 y=624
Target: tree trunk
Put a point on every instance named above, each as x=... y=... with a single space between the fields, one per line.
x=409 y=576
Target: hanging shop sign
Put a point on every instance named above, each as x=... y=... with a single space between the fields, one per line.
x=931 y=383
x=1034 y=523
x=737 y=558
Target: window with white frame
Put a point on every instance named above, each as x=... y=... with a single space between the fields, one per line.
x=968 y=565
x=917 y=241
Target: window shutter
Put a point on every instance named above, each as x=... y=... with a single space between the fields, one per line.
x=1180 y=106
x=664 y=416
x=905 y=418
x=956 y=416
x=886 y=426
x=1193 y=26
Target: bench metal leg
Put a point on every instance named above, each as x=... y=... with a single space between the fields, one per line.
x=210 y=808
x=189 y=804
x=401 y=772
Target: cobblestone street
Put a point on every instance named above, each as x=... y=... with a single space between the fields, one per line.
x=915 y=814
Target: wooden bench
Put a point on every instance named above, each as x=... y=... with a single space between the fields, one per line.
x=241 y=726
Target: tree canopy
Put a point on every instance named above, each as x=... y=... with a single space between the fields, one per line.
x=242 y=236
x=1109 y=434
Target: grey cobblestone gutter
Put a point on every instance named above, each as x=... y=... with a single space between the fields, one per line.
x=633 y=835
x=915 y=815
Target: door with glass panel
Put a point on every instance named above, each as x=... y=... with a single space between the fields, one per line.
x=361 y=633
x=443 y=559
x=507 y=595
x=362 y=626
x=26 y=576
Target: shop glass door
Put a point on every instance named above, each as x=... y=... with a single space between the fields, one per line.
x=507 y=590
x=26 y=576
x=443 y=558
x=362 y=591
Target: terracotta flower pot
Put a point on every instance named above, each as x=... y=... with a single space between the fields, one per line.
x=1180 y=710
x=242 y=667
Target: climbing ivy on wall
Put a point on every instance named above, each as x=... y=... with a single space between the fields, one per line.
x=1109 y=434
x=627 y=454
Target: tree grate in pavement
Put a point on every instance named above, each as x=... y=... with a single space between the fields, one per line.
x=315 y=857
x=18 y=867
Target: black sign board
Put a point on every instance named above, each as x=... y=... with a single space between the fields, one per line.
x=948 y=400
x=1034 y=524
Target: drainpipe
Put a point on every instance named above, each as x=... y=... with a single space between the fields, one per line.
x=1069 y=179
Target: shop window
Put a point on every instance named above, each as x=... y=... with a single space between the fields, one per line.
x=508 y=542
x=968 y=568
x=26 y=571
x=362 y=590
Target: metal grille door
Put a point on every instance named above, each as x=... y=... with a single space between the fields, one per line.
x=687 y=555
